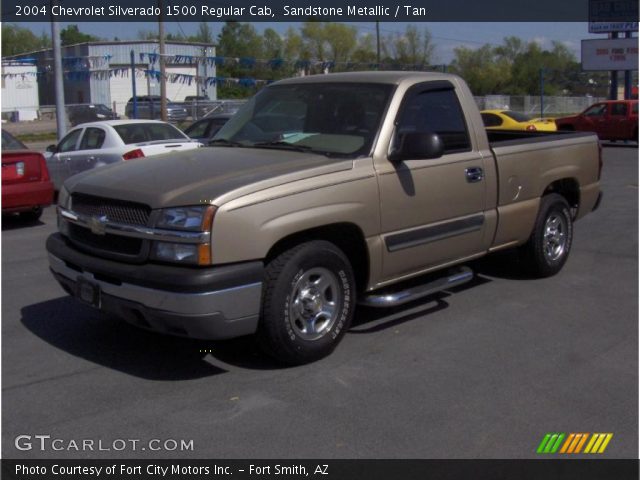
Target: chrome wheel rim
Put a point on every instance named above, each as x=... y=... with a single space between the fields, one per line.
x=314 y=303
x=554 y=242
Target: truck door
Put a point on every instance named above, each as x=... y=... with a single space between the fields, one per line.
x=432 y=211
x=594 y=119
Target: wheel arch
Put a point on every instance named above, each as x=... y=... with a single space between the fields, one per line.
x=348 y=237
x=569 y=189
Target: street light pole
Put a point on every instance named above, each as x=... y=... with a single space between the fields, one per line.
x=378 y=44
x=61 y=117
x=163 y=81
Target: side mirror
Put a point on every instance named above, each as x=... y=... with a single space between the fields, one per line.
x=51 y=148
x=417 y=146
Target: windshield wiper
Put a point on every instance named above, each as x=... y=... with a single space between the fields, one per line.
x=279 y=144
x=225 y=143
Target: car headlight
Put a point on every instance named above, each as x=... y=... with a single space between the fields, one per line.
x=187 y=253
x=192 y=219
x=198 y=219
x=64 y=199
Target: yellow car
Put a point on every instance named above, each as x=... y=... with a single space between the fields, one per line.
x=510 y=120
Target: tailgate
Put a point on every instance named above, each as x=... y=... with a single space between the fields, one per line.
x=21 y=167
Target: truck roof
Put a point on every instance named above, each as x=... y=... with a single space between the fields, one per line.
x=371 y=77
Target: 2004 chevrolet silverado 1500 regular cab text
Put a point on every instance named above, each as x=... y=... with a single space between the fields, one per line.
x=320 y=192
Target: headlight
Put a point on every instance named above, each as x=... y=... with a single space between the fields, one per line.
x=189 y=253
x=193 y=219
x=64 y=199
x=186 y=218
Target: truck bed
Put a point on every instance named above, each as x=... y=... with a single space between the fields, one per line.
x=519 y=137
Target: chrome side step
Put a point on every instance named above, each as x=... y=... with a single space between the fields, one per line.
x=452 y=278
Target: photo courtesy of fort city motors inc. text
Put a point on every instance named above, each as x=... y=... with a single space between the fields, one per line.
x=302 y=239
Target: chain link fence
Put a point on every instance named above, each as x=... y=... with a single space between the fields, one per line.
x=552 y=106
x=536 y=106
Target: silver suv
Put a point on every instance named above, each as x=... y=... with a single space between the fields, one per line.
x=148 y=107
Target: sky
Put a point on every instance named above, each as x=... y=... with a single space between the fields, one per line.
x=446 y=36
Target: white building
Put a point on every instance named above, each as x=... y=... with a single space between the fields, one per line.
x=20 y=99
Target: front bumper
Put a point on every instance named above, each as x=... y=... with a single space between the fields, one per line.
x=206 y=303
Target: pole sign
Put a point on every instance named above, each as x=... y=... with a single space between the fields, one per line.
x=610 y=54
x=613 y=16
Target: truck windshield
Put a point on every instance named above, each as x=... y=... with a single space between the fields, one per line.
x=329 y=118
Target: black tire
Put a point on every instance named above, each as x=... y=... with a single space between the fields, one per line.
x=32 y=215
x=306 y=281
x=548 y=247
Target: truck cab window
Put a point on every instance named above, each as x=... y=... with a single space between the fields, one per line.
x=436 y=111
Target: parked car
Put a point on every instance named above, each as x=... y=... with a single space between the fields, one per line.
x=197 y=105
x=225 y=106
x=96 y=144
x=204 y=130
x=375 y=178
x=26 y=186
x=611 y=120
x=148 y=107
x=90 y=113
x=510 y=120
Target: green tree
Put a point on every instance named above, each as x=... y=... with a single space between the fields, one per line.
x=204 y=35
x=483 y=72
x=294 y=47
x=410 y=48
x=72 y=35
x=341 y=39
x=365 y=51
x=273 y=45
x=16 y=40
x=315 y=39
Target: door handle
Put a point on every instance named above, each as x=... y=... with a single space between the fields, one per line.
x=474 y=174
x=90 y=159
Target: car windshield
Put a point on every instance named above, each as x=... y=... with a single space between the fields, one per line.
x=329 y=118
x=517 y=116
x=9 y=142
x=148 y=132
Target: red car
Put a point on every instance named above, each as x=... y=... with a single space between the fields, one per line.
x=26 y=187
x=611 y=120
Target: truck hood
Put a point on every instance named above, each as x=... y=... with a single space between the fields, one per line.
x=201 y=175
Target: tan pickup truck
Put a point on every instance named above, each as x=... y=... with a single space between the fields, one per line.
x=320 y=193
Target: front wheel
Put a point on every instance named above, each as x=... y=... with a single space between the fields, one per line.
x=307 y=303
x=548 y=247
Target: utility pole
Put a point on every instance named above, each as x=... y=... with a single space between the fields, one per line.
x=613 y=85
x=163 y=81
x=542 y=93
x=133 y=84
x=378 y=44
x=61 y=117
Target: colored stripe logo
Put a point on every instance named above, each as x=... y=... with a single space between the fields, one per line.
x=573 y=443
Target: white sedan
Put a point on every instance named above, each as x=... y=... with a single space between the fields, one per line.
x=95 y=144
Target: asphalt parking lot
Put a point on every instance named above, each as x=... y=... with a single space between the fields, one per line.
x=482 y=372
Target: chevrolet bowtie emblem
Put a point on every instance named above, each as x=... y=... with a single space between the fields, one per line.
x=98 y=225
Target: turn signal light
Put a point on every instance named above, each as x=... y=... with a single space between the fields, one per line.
x=531 y=128
x=137 y=153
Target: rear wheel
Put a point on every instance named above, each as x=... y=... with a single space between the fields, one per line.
x=308 y=302
x=548 y=247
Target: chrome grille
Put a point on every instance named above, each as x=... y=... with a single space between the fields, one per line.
x=118 y=211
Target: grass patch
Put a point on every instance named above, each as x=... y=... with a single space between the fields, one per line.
x=38 y=137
